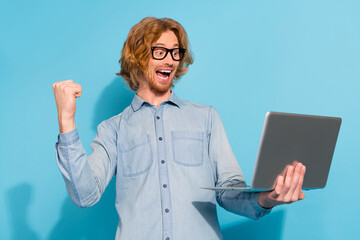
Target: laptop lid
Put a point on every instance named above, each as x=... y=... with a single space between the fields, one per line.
x=288 y=137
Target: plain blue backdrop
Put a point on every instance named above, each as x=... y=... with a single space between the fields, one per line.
x=251 y=56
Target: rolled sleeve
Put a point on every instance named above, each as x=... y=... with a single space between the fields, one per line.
x=242 y=203
x=66 y=139
x=229 y=174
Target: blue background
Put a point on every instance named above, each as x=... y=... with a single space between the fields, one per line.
x=250 y=57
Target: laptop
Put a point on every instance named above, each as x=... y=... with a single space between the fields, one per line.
x=288 y=137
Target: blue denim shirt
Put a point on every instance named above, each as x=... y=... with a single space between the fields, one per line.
x=161 y=158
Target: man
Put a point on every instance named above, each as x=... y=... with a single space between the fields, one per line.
x=161 y=148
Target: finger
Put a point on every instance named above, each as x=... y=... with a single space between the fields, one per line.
x=301 y=194
x=279 y=183
x=66 y=82
x=78 y=90
x=294 y=163
x=287 y=183
x=293 y=194
x=280 y=179
x=69 y=84
x=70 y=88
x=61 y=82
x=301 y=178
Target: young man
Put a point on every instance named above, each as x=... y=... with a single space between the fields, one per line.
x=161 y=148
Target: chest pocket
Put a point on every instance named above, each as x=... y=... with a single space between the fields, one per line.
x=188 y=147
x=136 y=156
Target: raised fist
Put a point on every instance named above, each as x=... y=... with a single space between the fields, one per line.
x=65 y=93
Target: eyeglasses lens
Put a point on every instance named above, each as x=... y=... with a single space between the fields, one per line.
x=160 y=53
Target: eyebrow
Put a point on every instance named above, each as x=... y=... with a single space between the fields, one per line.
x=163 y=45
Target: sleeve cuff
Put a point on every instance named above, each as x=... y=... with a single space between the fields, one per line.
x=257 y=207
x=66 y=139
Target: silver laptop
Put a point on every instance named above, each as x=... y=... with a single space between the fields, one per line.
x=290 y=137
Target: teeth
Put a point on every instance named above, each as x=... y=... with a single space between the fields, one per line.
x=163 y=77
x=165 y=72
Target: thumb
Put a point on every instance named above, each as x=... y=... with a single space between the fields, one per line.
x=78 y=91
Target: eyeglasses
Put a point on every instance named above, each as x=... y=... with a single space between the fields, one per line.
x=160 y=53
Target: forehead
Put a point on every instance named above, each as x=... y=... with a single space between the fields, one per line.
x=167 y=39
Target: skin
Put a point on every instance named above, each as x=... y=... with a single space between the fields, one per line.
x=287 y=187
x=66 y=93
x=155 y=90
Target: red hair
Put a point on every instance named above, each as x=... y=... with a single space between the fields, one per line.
x=137 y=48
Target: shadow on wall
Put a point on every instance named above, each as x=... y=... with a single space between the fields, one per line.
x=113 y=100
x=207 y=211
x=270 y=227
x=18 y=200
x=99 y=221
x=96 y=222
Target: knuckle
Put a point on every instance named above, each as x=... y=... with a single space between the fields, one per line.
x=66 y=89
x=286 y=199
x=280 y=182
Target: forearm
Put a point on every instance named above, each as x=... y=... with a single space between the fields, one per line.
x=229 y=174
x=66 y=124
x=242 y=203
x=79 y=178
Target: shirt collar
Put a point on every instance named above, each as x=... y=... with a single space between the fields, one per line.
x=138 y=102
x=173 y=99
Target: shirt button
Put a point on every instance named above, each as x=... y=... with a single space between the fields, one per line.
x=162 y=161
x=157 y=117
x=167 y=210
x=164 y=185
x=160 y=138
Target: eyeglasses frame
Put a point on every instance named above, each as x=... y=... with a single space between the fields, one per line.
x=181 y=53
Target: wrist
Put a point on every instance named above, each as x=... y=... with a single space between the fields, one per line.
x=264 y=201
x=66 y=124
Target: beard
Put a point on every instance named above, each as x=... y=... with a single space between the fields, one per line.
x=159 y=87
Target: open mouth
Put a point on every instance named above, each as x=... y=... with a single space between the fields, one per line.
x=163 y=74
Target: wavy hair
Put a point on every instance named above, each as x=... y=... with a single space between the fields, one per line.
x=136 y=51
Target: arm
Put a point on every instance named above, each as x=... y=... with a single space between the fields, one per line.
x=287 y=187
x=229 y=173
x=85 y=177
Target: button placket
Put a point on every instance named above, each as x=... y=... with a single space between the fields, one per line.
x=163 y=174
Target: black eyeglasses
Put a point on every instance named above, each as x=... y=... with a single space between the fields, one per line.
x=160 y=53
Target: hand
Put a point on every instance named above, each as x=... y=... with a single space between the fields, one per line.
x=287 y=187
x=65 y=93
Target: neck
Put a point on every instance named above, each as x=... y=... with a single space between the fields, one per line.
x=153 y=97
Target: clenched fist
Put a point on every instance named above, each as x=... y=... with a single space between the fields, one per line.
x=65 y=93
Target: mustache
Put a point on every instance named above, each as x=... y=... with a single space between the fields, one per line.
x=167 y=65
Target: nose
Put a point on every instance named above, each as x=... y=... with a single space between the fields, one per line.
x=168 y=59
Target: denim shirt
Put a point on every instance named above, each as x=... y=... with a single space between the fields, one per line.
x=161 y=158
